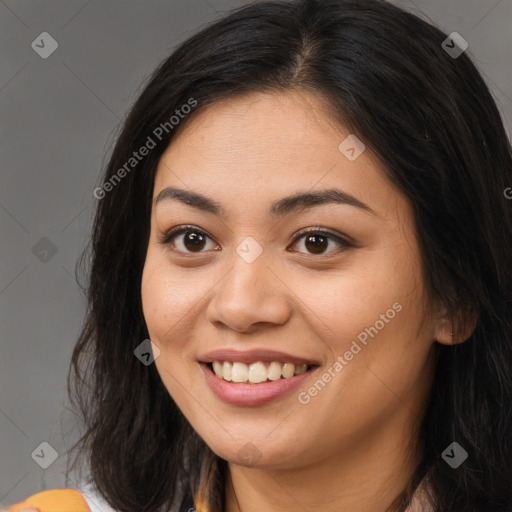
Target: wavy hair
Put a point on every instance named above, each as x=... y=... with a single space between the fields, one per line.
x=434 y=124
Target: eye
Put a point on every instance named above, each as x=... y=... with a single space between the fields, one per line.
x=316 y=241
x=193 y=241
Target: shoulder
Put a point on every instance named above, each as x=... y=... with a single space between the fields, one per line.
x=94 y=499
x=83 y=499
x=53 y=500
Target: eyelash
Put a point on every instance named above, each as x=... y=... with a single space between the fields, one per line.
x=168 y=236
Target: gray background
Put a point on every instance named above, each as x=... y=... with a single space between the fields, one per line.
x=59 y=117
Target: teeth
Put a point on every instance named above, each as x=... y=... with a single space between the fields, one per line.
x=288 y=370
x=274 y=370
x=239 y=372
x=256 y=372
x=301 y=368
x=226 y=369
x=217 y=368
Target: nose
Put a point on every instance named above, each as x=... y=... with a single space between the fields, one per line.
x=250 y=294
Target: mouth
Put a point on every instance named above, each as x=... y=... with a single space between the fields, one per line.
x=257 y=372
x=258 y=383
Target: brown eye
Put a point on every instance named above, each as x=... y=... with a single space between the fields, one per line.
x=316 y=242
x=193 y=240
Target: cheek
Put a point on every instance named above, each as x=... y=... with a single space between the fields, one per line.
x=167 y=305
x=373 y=317
x=343 y=304
x=165 y=300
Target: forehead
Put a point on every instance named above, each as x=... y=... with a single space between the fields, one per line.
x=266 y=146
x=277 y=124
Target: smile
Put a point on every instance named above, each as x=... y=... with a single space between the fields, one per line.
x=271 y=384
x=258 y=372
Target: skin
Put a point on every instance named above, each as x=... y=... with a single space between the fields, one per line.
x=353 y=446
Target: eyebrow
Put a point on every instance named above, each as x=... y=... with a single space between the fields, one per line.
x=297 y=202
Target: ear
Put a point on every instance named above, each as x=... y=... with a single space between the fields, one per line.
x=451 y=331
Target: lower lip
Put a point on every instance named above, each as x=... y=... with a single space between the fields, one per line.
x=242 y=393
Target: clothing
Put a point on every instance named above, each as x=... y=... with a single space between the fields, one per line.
x=86 y=499
x=54 y=500
x=83 y=499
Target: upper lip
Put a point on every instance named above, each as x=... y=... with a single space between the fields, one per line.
x=252 y=356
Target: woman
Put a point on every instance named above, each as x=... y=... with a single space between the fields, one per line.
x=300 y=293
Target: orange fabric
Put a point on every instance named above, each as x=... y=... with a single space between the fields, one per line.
x=54 y=500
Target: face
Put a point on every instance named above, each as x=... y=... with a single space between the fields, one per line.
x=334 y=285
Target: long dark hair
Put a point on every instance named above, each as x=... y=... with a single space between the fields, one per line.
x=432 y=121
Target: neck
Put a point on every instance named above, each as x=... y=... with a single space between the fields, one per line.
x=366 y=479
